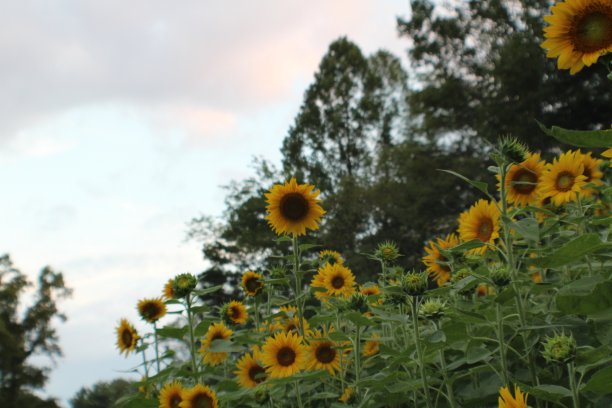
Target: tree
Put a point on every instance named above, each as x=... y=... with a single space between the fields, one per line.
x=26 y=334
x=103 y=394
x=481 y=73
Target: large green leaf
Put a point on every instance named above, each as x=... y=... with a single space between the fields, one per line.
x=480 y=185
x=600 y=382
x=586 y=296
x=581 y=138
x=572 y=251
x=548 y=392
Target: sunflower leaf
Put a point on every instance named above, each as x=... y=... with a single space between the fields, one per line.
x=581 y=138
x=480 y=185
x=572 y=251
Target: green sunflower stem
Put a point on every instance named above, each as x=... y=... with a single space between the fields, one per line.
x=417 y=341
x=298 y=284
x=194 y=365
x=256 y=312
x=447 y=383
x=514 y=274
x=357 y=347
x=502 y=344
x=571 y=373
x=298 y=394
x=156 y=345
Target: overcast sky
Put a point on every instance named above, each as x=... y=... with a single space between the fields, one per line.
x=119 y=120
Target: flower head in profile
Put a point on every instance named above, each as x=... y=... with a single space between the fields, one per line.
x=168 y=291
x=249 y=371
x=579 y=32
x=437 y=264
x=372 y=346
x=506 y=400
x=591 y=170
x=151 y=310
x=293 y=208
x=127 y=337
x=328 y=256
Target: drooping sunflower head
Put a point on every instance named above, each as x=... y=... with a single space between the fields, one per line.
x=323 y=354
x=437 y=264
x=328 y=256
x=199 y=396
x=151 y=310
x=591 y=171
x=523 y=180
x=170 y=395
x=372 y=346
x=579 y=32
x=337 y=279
x=283 y=355
x=127 y=337
x=293 y=207
x=168 y=291
x=480 y=221
x=252 y=283
x=234 y=312
x=216 y=331
x=249 y=371
x=564 y=179
x=506 y=400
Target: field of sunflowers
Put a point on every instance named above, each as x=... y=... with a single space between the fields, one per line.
x=513 y=309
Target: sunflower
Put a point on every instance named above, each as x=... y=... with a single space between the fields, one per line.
x=372 y=346
x=216 y=331
x=249 y=371
x=580 y=31
x=323 y=354
x=336 y=278
x=481 y=222
x=199 y=396
x=564 y=179
x=328 y=256
x=252 y=283
x=507 y=401
x=293 y=207
x=536 y=277
x=170 y=395
x=283 y=355
x=290 y=322
x=370 y=290
x=523 y=180
x=484 y=290
x=235 y=312
x=127 y=337
x=347 y=395
x=608 y=155
x=151 y=310
x=168 y=292
x=591 y=171
x=436 y=262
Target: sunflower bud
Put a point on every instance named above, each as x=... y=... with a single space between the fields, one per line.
x=358 y=302
x=560 y=348
x=414 y=283
x=459 y=276
x=387 y=251
x=183 y=285
x=500 y=276
x=432 y=309
x=277 y=272
x=512 y=150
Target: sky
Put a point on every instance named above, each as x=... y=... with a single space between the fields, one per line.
x=120 y=121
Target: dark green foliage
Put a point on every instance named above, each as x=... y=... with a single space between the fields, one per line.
x=103 y=394
x=482 y=74
x=27 y=334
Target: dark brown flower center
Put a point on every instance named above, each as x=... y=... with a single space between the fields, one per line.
x=294 y=206
x=337 y=282
x=175 y=400
x=234 y=312
x=252 y=284
x=325 y=353
x=587 y=173
x=485 y=229
x=202 y=401
x=524 y=182
x=126 y=338
x=285 y=356
x=592 y=31
x=257 y=373
x=565 y=181
x=217 y=336
x=150 y=311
